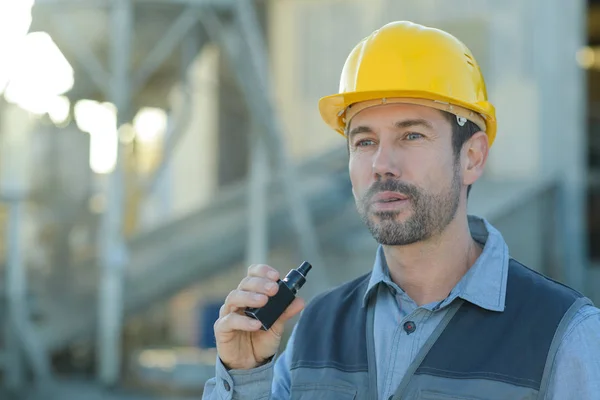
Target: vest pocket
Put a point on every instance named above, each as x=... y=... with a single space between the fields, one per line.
x=319 y=391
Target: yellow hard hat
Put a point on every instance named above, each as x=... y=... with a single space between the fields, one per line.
x=404 y=62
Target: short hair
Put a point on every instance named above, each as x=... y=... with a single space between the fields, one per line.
x=460 y=134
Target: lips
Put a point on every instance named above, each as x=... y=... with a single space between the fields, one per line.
x=389 y=197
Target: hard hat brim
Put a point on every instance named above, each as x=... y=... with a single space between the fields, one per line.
x=332 y=108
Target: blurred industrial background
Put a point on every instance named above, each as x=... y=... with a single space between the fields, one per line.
x=150 y=150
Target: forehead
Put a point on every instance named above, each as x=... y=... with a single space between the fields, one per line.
x=389 y=114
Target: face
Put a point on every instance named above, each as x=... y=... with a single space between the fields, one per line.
x=405 y=177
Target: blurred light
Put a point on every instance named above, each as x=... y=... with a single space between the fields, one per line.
x=85 y=114
x=150 y=124
x=100 y=121
x=34 y=104
x=126 y=133
x=33 y=71
x=92 y=116
x=586 y=57
x=103 y=151
x=40 y=74
x=161 y=359
x=15 y=20
x=58 y=110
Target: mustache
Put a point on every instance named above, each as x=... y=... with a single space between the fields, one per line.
x=390 y=185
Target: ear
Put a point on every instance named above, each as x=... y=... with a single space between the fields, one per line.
x=474 y=156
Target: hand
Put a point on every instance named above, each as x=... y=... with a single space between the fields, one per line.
x=241 y=344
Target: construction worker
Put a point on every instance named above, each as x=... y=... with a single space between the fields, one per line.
x=445 y=313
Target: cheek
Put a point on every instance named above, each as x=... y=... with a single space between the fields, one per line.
x=359 y=168
x=442 y=175
x=430 y=170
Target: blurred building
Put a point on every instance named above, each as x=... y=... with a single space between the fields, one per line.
x=184 y=142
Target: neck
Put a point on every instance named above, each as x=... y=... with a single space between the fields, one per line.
x=428 y=270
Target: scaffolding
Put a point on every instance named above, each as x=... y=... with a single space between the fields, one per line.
x=234 y=27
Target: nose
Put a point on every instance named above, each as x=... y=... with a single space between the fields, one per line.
x=386 y=163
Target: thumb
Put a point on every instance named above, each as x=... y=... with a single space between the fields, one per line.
x=294 y=308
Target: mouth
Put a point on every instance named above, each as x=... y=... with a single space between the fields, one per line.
x=389 y=197
x=389 y=202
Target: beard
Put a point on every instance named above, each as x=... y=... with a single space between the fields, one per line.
x=431 y=212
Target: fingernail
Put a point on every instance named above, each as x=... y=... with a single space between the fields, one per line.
x=270 y=286
x=258 y=296
x=272 y=275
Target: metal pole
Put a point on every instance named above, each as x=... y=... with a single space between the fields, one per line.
x=112 y=246
x=21 y=341
x=258 y=237
x=165 y=46
x=15 y=290
x=258 y=227
x=26 y=341
x=81 y=51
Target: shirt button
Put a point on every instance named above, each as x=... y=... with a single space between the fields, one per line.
x=409 y=327
x=226 y=385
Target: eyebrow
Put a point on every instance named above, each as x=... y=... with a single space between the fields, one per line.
x=403 y=124
x=359 y=129
x=408 y=123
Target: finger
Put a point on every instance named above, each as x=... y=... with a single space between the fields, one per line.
x=264 y=271
x=236 y=322
x=258 y=285
x=294 y=308
x=225 y=309
x=242 y=299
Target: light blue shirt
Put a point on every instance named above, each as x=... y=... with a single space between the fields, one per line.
x=575 y=372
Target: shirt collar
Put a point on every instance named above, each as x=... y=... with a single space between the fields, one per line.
x=483 y=285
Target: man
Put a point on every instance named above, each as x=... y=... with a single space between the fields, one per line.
x=445 y=312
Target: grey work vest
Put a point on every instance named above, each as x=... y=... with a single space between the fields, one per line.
x=474 y=354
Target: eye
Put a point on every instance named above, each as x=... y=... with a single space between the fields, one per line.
x=364 y=143
x=414 y=136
